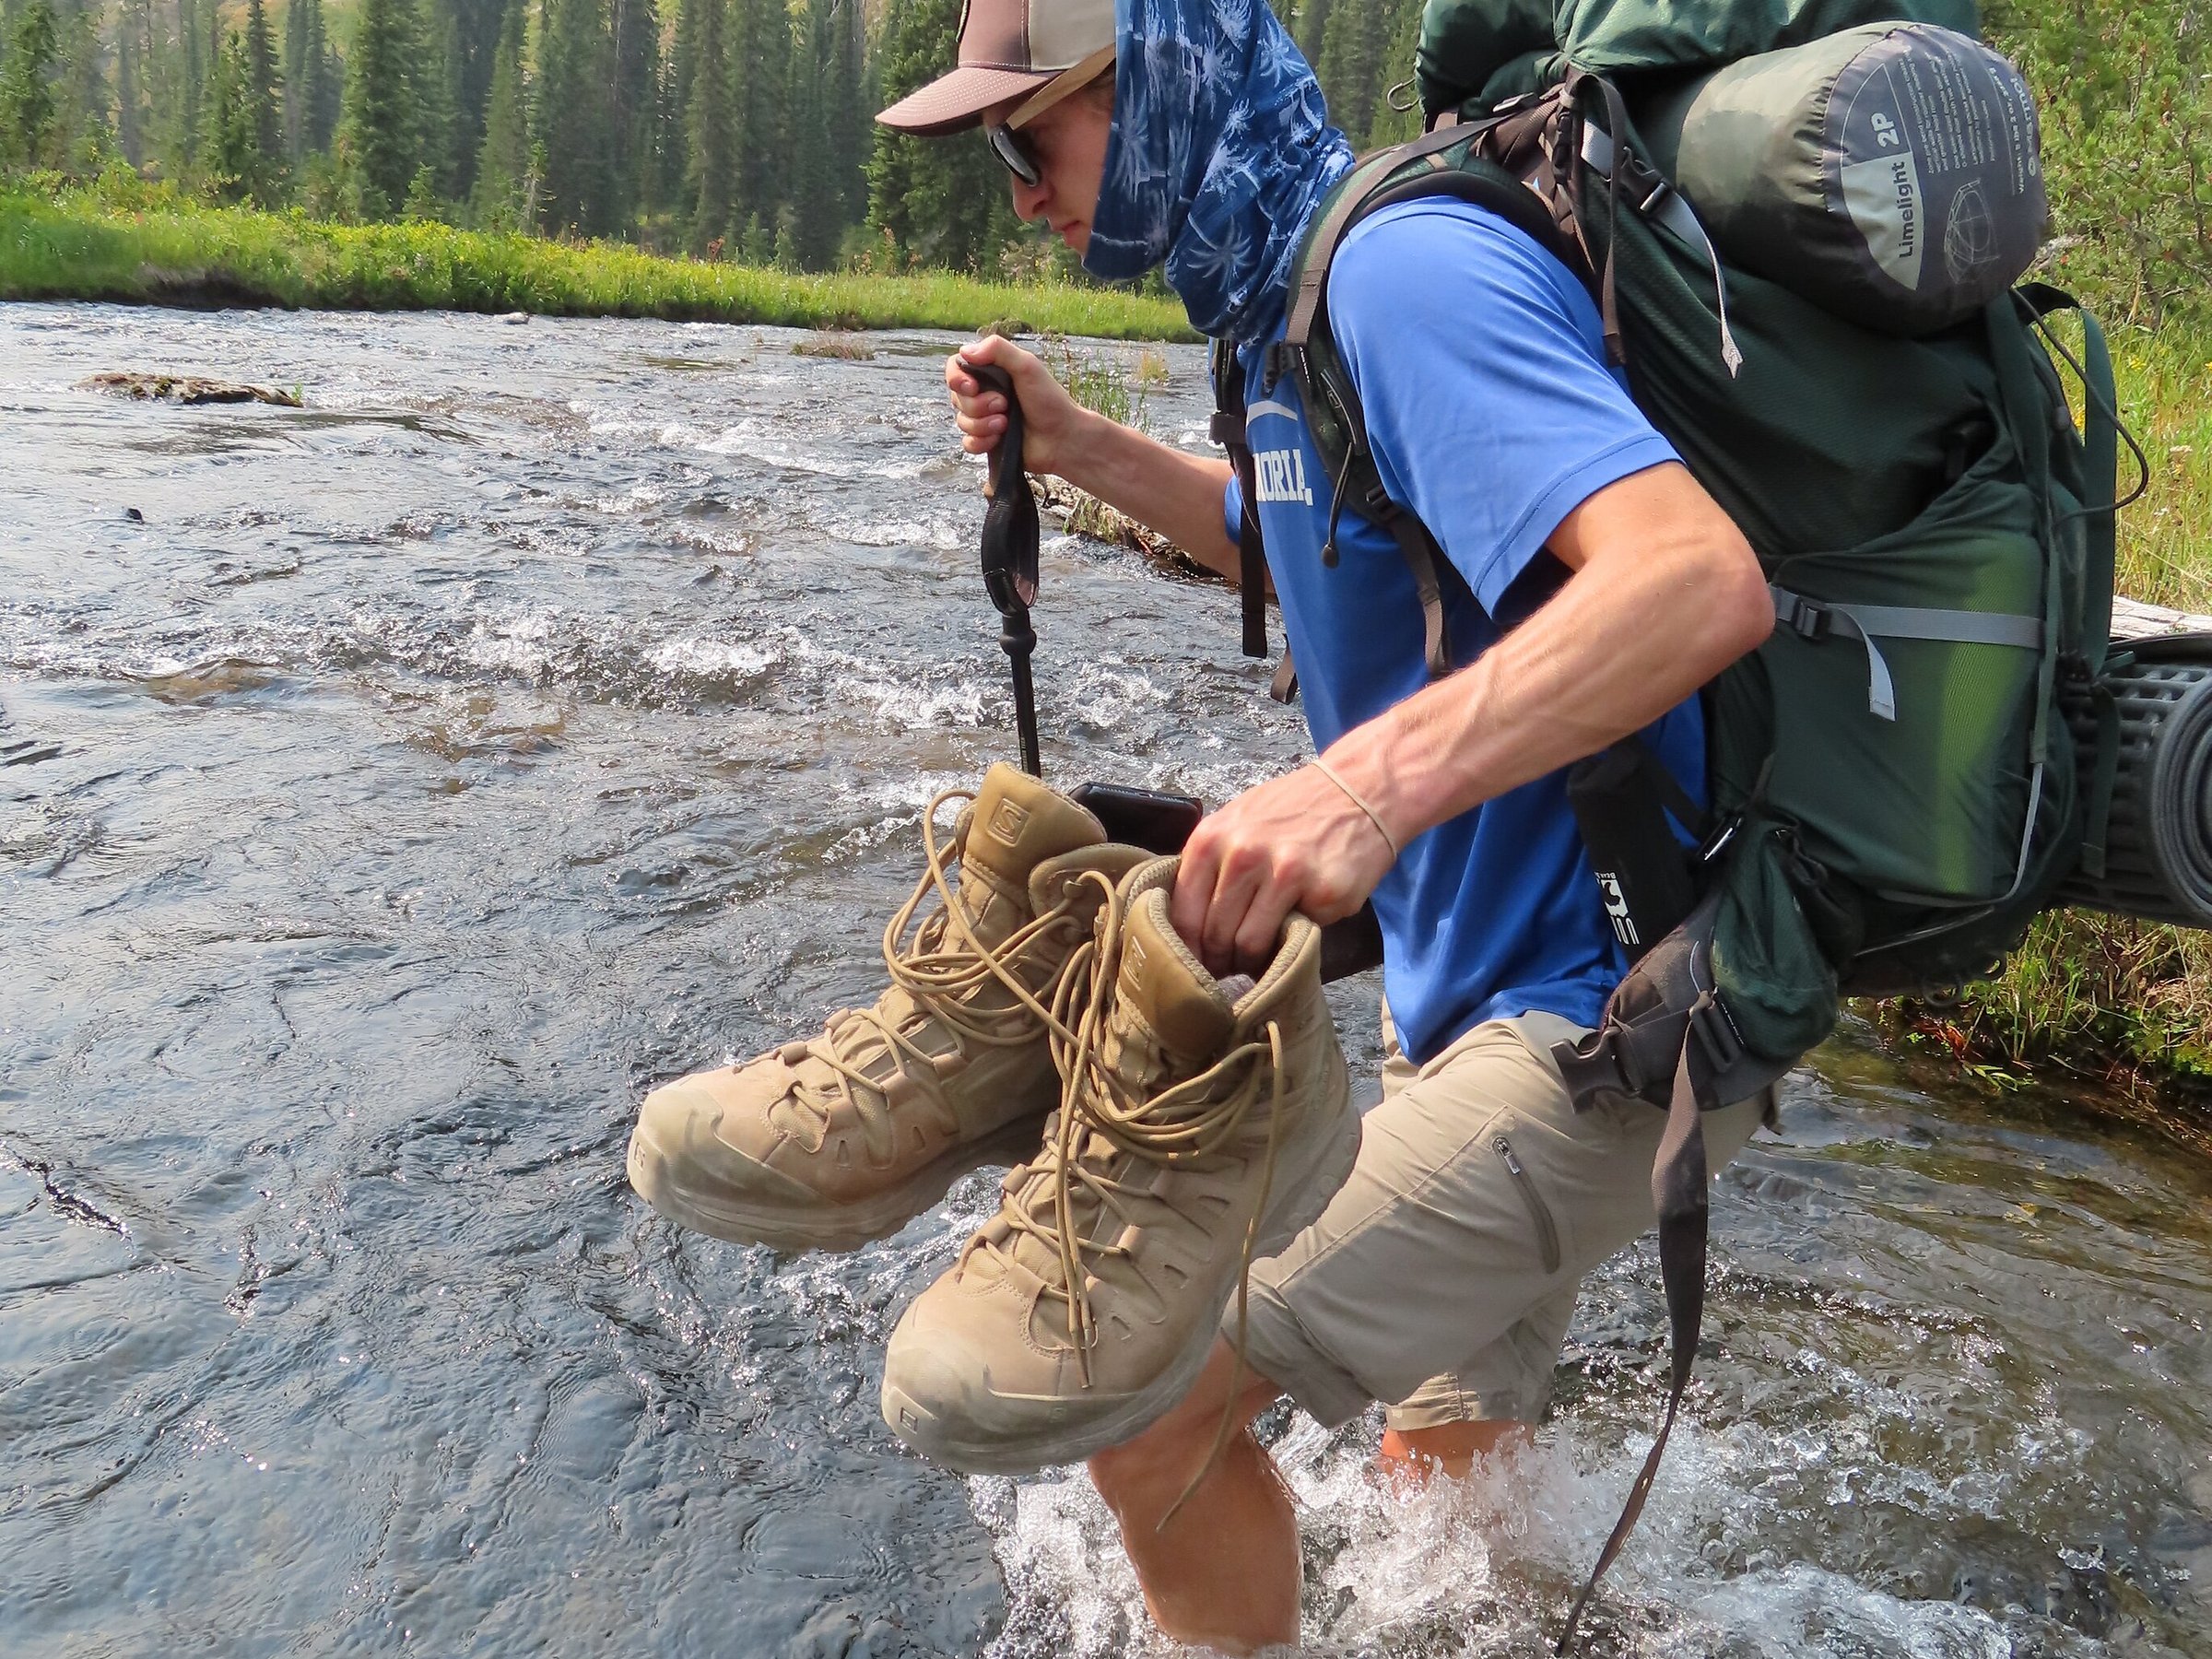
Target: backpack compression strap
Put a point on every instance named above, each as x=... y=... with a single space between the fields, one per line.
x=1667 y=1040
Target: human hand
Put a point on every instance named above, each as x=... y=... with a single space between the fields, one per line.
x=1295 y=842
x=1051 y=419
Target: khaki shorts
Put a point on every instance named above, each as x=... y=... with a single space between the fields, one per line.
x=1442 y=1276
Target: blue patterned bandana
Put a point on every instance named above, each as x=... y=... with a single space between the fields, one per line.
x=1221 y=150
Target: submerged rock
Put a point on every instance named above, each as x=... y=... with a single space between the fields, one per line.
x=835 y=343
x=186 y=389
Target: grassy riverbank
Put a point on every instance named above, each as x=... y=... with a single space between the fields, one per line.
x=73 y=246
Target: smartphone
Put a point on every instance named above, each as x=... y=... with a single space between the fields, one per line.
x=1150 y=818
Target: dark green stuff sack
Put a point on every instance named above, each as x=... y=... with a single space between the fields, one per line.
x=1475 y=55
x=1892 y=173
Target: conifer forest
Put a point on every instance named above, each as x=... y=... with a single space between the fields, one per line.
x=743 y=130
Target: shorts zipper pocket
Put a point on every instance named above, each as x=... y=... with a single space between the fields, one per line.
x=1548 y=1232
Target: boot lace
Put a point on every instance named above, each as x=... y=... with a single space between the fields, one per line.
x=941 y=968
x=1189 y=1124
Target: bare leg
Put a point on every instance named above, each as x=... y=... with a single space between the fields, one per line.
x=1447 y=1449
x=1224 y=1572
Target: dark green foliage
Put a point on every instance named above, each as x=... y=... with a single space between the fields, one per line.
x=1366 y=48
x=575 y=117
x=130 y=42
x=29 y=120
x=742 y=126
x=935 y=201
x=635 y=29
x=2126 y=98
x=381 y=129
x=264 y=103
x=503 y=162
x=443 y=146
x=712 y=176
x=312 y=82
x=229 y=152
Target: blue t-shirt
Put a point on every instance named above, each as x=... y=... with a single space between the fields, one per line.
x=1480 y=363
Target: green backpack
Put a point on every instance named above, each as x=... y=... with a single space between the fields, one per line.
x=1895 y=791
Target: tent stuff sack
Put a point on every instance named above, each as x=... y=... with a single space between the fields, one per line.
x=2156 y=851
x=1889 y=173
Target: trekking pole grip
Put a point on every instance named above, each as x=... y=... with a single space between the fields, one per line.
x=1011 y=534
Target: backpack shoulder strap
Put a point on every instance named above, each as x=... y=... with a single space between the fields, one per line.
x=1453 y=163
x=1227 y=431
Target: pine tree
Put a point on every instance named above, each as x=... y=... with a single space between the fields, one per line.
x=184 y=137
x=29 y=120
x=438 y=141
x=807 y=218
x=575 y=67
x=300 y=17
x=758 y=38
x=229 y=155
x=635 y=44
x=1355 y=64
x=264 y=105
x=940 y=201
x=383 y=116
x=1307 y=25
x=495 y=202
x=327 y=73
x=710 y=178
x=130 y=43
x=84 y=132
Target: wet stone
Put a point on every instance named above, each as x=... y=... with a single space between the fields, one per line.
x=185 y=389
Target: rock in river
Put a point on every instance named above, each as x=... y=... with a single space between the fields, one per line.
x=185 y=389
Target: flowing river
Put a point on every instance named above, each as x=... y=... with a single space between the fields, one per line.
x=393 y=789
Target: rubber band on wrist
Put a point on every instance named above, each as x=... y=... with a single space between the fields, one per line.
x=1352 y=795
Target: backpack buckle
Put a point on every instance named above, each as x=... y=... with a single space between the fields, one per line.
x=1802 y=617
x=1225 y=429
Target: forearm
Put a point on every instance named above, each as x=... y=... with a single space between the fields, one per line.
x=1605 y=657
x=1170 y=490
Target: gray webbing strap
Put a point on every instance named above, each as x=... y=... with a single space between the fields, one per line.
x=1668 y=206
x=1815 y=619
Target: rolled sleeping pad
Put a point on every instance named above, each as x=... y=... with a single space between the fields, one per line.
x=2158 y=842
x=1891 y=174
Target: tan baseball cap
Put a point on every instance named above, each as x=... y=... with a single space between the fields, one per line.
x=1008 y=48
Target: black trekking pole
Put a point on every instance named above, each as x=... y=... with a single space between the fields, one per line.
x=1010 y=538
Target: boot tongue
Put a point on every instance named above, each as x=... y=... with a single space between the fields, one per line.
x=1018 y=823
x=1162 y=988
x=1168 y=1022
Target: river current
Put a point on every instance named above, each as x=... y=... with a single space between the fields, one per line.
x=393 y=789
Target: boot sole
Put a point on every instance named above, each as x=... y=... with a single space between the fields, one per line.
x=830 y=1226
x=1299 y=1202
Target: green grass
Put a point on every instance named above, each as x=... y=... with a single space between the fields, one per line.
x=71 y=245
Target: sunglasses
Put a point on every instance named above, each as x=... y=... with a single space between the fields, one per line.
x=1012 y=149
x=1005 y=136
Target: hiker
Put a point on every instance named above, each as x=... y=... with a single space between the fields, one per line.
x=1440 y=1278
x=1502 y=585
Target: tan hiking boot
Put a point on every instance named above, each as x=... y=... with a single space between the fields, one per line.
x=1195 y=1134
x=828 y=1143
